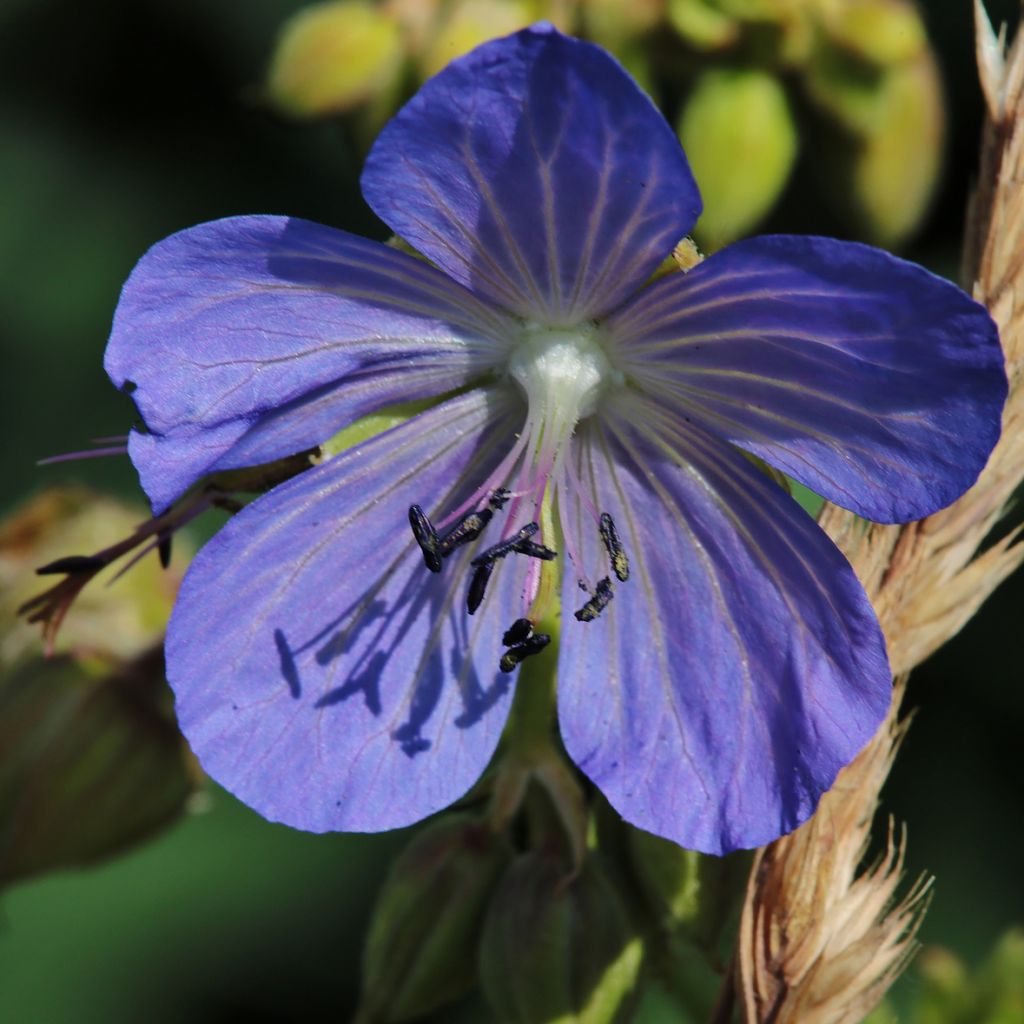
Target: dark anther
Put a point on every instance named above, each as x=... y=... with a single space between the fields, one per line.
x=514 y=655
x=499 y=498
x=477 y=586
x=527 y=547
x=468 y=528
x=616 y=553
x=426 y=536
x=506 y=547
x=71 y=565
x=520 y=543
x=598 y=603
x=163 y=547
x=517 y=632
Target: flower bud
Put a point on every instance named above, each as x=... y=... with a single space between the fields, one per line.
x=333 y=56
x=885 y=176
x=470 y=23
x=993 y=992
x=701 y=24
x=689 y=891
x=758 y=10
x=421 y=949
x=615 y=22
x=557 y=947
x=696 y=899
x=738 y=132
x=93 y=762
x=880 y=31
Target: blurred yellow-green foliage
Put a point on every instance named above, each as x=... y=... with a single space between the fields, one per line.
x=746 y=81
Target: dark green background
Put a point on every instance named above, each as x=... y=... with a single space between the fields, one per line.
x=122 y=121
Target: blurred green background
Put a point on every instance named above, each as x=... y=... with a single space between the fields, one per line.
x=122 y=121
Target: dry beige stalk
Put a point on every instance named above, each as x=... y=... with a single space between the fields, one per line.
x=820 y=943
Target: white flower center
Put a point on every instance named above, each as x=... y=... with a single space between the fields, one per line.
x=563 y=372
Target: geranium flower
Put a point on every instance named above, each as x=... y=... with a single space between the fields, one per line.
x=724 y=662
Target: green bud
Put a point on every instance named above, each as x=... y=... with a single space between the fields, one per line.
x=669 y=876
x=418 y=19
x=105 y=626
x=738 y=132
x=696 y=899
x=880 y=31
x=421 y=949
x=690 y=892
x=701 y=24
x=885 y=177
x=333 y=56
x=470 y=23
x=758 y=10
x=849 y=91
x=615 y=22
x=1001 y=980
x=92 y=763
x=948 y=993
x=558 y=947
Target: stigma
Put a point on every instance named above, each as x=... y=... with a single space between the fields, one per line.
x=563 y=371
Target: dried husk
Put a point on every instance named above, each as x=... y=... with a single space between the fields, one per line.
x=821 y=939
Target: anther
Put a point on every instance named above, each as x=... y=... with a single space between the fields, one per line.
x=468 y=528
x=598 y=603
x=616 y=553
x=517 y=632
x=72 y=564
x=477 y=586
x=426 y=536
x=506 y=547
x=527 y=547
x=163 y=548
x=499 y=498
x=518 y=542
x=514 y=655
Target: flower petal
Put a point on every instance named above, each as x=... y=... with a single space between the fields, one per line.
x=738 y=668
x=870 y=380
x=248 y=339
x=322 y=674
x=535 y=172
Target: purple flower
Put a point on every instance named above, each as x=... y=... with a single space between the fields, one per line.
x=714 y=686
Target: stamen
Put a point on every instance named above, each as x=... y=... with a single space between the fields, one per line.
x=50 y=607
x=163 y=548
x=527 y=547
x=597 y=604
x=514 y=655
x=477 y=586
x=517 y=632
x=499 y=498
x=426 y=536
x=468 y=528
x=519 y=542
x=71 y=565
x=616 y=553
